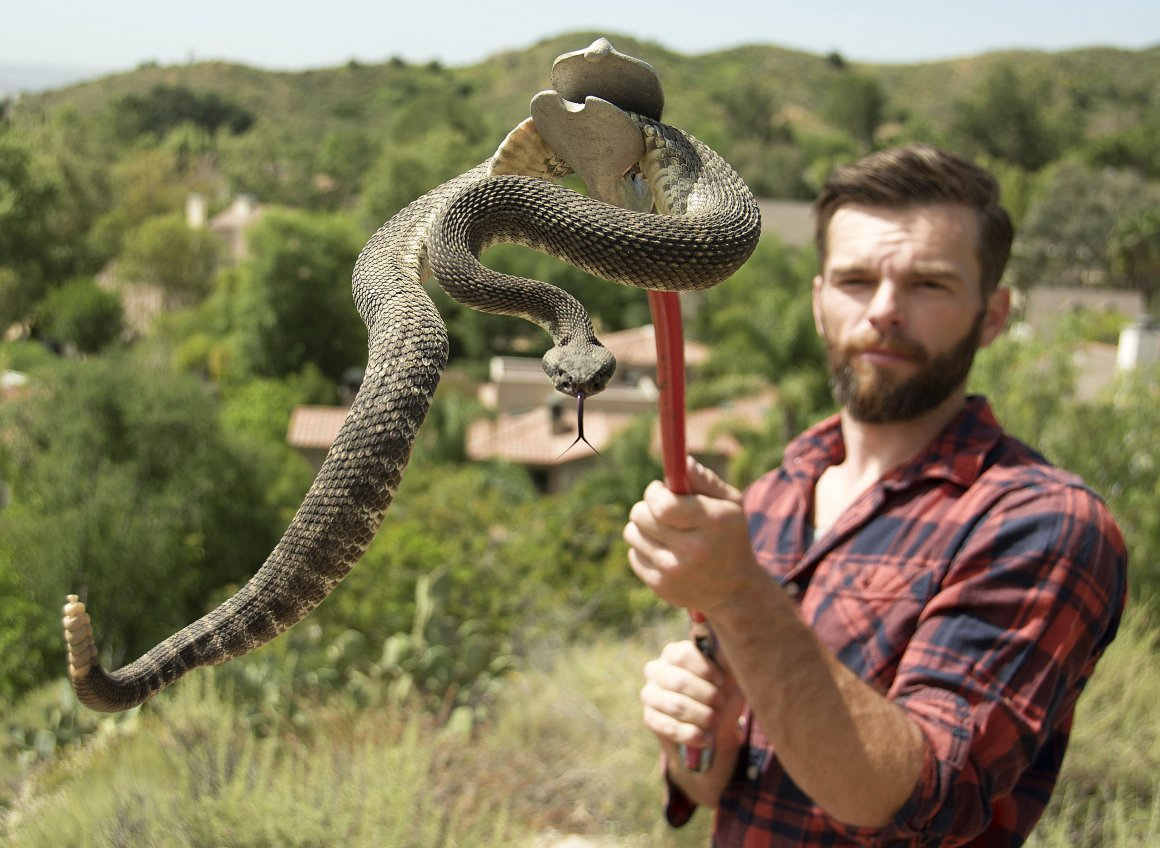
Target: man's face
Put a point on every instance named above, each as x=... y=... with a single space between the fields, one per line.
x=900 y=308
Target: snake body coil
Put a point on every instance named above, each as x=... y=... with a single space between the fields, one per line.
x=712 y=228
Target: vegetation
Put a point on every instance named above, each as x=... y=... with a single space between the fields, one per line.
x=490 y=641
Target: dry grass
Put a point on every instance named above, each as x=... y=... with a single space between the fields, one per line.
x=563 y=762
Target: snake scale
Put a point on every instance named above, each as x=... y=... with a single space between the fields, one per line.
x=711 y=228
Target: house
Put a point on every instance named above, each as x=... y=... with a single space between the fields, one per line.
x=535 y=426
x=1096 y=363
x=232 y=223
x=13 y=384
x=1043 y=304
x=791 y=221
x=143 y=300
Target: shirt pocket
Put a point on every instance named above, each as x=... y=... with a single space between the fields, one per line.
x=867 y=611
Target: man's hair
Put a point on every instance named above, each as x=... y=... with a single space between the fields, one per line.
x=920 y=174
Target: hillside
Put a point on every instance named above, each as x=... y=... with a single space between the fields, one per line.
x=1111 y=85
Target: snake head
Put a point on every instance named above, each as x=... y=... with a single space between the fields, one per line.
x=579 y=367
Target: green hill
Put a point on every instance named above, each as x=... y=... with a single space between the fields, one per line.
x=1111 y=87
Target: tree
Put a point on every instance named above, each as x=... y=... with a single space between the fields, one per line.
x=167 y=252
x=1133 y=147
x=1067 y=232
x=855 y=104
x=26 y=198
x=164 y=107
x=290 y=301
x=145 y=185
x=126 y=490
x=761 y=323
x=1134 y=249
x=81 y=314
x=1004 y=116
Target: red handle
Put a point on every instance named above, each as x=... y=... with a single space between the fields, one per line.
x=666 y=315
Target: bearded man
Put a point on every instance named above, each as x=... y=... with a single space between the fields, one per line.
x=908 y=608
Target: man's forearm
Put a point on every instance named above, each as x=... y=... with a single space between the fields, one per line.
x=856 y=754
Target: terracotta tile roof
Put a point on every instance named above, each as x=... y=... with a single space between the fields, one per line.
x=527 y=438
x=792 y=221
x=315 y=426
x=706 y=430
x=12 y=384
x=636 y=347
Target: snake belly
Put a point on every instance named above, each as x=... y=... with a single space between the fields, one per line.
x=712 y=229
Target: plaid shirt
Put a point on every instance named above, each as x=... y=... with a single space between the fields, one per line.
x=976 y=586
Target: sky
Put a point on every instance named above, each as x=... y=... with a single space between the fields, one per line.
x=112 y=35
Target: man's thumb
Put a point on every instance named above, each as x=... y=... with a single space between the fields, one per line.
x=704 y=481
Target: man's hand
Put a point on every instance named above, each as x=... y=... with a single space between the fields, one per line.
x=692 y=550
x=855 y=753
x=689 y=700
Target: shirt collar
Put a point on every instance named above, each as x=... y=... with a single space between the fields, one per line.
x=957 y=454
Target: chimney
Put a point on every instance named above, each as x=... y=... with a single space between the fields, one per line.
x=1139 y=345
x=556 y=422
x=195 y=209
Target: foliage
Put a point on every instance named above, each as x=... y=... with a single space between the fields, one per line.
x=855 y=103
x=150 y=184
x=761 y=322
x=1067 y=233
x=289 y=303
x=103 y=505
x=562 y=751
x=412 y=167
x=166 y=251
x=1032 y=388
x=25 y=197
x=163 y=108
x=81 y=314
x=1132 y=147
x=197 y=775
x=1134 y=250
x=1004 y=117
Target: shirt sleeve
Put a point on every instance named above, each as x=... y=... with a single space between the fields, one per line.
x=1001 y=654
x=678 y=807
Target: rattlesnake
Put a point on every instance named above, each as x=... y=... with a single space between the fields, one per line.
x=711 y=229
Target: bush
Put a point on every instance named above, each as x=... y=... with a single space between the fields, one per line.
x=82 y=315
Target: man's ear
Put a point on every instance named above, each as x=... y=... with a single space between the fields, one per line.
x=816 y=296
x=995 y=319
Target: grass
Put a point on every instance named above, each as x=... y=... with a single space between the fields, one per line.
x=563 y=753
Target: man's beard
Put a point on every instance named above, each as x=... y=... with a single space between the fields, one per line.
x=875 y=396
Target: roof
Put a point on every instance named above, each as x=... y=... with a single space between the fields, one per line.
x=1043 y=302
x=12 y=383
x=527 y=437
x=637 y=347
x=791 y=221
x=315 y=427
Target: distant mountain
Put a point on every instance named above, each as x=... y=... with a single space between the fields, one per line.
x=28 y=79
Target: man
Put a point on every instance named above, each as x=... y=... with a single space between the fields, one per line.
x=907 y=610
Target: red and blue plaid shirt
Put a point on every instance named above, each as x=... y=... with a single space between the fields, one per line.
x=976 y=586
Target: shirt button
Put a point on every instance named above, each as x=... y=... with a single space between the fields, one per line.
x=752 y=772
x=792 y=589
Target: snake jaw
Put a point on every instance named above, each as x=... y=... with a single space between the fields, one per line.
x=579 y=368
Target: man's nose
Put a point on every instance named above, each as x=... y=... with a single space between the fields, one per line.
x=885 y=309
